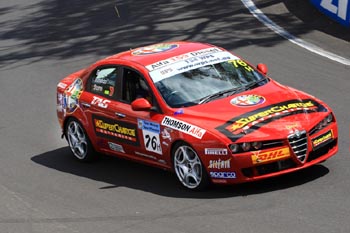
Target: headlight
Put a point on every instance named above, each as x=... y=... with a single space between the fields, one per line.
x=257 y=145
x=329 y=118
x=234 y=148
x=246 y=146
x=323 y=123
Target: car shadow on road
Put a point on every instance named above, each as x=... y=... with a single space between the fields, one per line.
x=122 y=173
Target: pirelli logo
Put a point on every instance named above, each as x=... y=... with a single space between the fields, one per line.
x=268 y=156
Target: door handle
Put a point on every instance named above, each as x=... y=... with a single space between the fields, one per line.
x=120 y=115
x=86 y=105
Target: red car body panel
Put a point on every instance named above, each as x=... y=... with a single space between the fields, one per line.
x=209 y=128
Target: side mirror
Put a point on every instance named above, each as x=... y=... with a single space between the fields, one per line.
x=262 y=68
x=141 y=104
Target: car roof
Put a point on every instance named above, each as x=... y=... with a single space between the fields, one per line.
x=157 y=52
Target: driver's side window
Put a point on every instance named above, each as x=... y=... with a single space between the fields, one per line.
x=135 y=86
x=103 y=81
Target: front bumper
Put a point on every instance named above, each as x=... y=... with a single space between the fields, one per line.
x=258 y=165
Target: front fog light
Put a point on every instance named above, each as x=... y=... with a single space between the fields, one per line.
x=246 y=146
x=234 y=148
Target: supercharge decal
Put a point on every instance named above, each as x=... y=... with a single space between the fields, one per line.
x=183 y=127
x=253 y=120
x=117 y=130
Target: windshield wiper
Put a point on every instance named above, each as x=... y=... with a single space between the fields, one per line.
x=254 y=84
x=217 y=95
x=232 y=91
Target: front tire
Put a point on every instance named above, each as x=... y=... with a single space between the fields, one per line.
x=188 y=167
x=78 y=141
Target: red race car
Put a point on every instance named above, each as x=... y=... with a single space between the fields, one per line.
x=194 y=109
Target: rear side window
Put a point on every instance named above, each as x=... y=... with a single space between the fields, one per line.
x=103 y=81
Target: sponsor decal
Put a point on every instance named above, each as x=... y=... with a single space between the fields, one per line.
x=117 y=130
x=60 y=102
x=190 y=64
x=153 y=49
x=223 y=175
x=116 y=147
x=247 y=100
x=149 y=126
x=268 y=156
x=166 y=134
x=61 y=85
x=150 y=132
x=183 y=127
x=169 y=61
x=247 y=123
x=100 y=102
x=219 y=164
x=71 y=96
x=97 y=88
x=322 y=139
x=215 y=151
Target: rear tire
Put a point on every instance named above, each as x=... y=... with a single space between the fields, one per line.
x=79 y=142
x=188 y=167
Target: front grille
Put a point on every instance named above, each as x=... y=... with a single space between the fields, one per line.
x=298 y=143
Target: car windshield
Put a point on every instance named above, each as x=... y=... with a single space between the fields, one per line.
x=209 y=82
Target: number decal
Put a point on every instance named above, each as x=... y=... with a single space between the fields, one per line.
x=150 y=132
x=152 y=142
x=238 y=63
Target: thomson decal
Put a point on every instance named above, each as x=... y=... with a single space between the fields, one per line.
x=183 y=127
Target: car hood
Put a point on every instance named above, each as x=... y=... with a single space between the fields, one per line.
x=272 y=111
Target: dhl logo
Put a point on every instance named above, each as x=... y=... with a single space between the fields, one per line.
x=273 y=155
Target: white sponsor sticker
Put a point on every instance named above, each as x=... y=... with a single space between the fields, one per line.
x=223 y=175
x=189 y=64
x=219 y=164
x=183 y=127
x=166 y=62
x=61 y=85
x=215 y=151
x=116 y=147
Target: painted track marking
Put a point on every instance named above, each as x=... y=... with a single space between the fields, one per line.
x=279 y=30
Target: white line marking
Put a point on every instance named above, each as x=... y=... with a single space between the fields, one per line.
x=279 y=30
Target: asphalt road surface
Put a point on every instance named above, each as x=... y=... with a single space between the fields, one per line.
x=43 y=189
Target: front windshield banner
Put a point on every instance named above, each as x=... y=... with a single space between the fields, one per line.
x=188 y=62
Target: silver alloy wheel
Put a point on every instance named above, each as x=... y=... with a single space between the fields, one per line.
x=188 y=167
x=77 y=140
